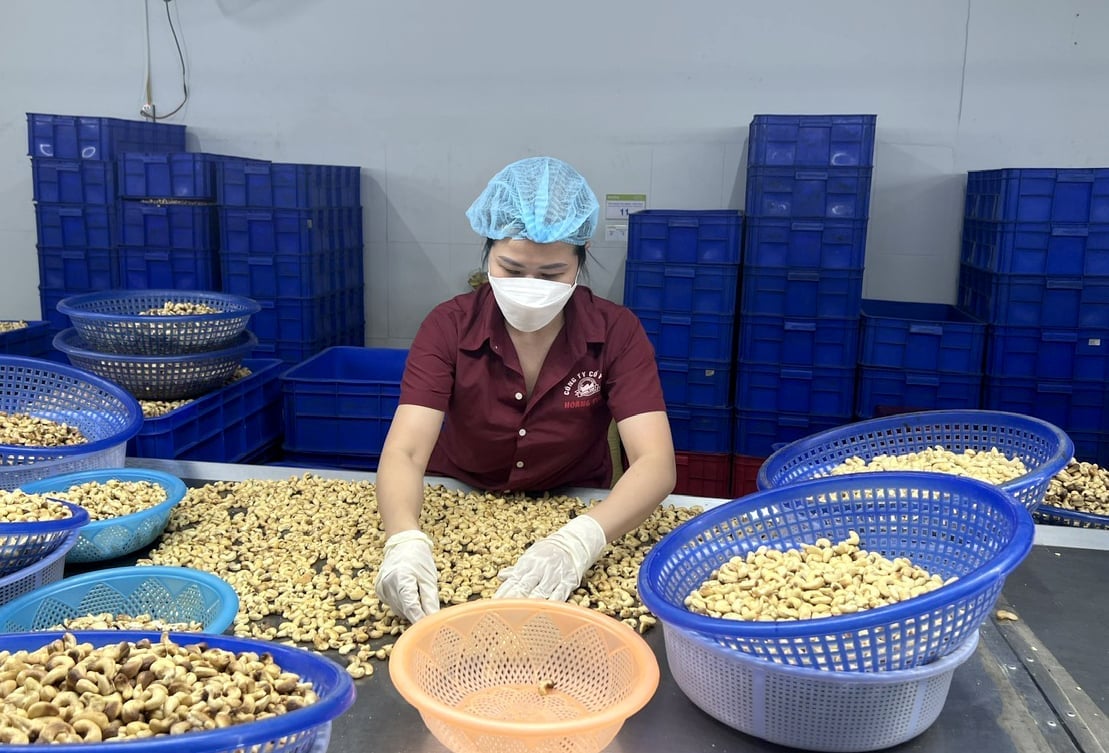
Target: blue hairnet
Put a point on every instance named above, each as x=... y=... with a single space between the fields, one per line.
x=541 y=199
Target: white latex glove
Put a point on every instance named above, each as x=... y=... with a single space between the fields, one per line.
x=553 y=567
x=408 y=581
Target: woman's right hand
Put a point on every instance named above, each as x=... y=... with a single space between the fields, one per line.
x=407 y=580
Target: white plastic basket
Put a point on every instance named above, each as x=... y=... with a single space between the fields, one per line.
x=806 y=708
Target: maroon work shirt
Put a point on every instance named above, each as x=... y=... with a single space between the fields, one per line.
x=601 y=366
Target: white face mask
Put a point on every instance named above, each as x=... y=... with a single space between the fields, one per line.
x=529 y=303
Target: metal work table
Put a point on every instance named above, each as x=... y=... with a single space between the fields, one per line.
x=1038 y=684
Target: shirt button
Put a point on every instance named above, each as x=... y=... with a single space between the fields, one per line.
x=519 y=395
x=523 y=432
x=519 y=463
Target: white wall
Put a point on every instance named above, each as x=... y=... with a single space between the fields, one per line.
x=431 y=98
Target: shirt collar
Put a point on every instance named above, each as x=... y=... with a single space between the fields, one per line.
x=584 y=323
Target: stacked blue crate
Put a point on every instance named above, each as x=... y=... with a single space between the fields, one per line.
x=291 y=239
x=682 y=281
x=918 y=356
x=807 y=204
x=74 y=184
x=168 y=235
x=1035 y=266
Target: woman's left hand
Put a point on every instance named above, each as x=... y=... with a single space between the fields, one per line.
x=553 y=567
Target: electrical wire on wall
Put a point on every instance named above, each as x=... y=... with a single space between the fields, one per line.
x=149 y=110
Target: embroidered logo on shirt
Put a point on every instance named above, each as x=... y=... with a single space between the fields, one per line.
x=582 y=390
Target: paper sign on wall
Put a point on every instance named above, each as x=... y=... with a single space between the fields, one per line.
x=619 y=205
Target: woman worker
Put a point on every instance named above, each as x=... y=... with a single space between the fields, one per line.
x=512 y=387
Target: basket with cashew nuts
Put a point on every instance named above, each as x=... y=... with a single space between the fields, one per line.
x=1018 y=453
x=102 y=687
x=810 y=581
x=946 y=544
x=1078 y=496
x=129 y=507
x=34 y=431
x=32 y=526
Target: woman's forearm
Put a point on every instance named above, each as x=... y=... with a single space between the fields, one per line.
x=400 y=492
x=646 y=482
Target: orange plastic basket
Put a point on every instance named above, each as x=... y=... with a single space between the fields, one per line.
x=523 y=675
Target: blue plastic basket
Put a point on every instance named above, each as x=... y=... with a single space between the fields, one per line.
x=1061 y=516
x=1043 y=447
x=109 y=538
x=24 y=544
x=110 y=321
x=169 y=594
x=159 y=377
x=292 y=732
x=44 y=572
x=105 y=414
x=808 y=708
x=948 y=525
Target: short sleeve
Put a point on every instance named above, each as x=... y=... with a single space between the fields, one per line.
x=632 y=372
x=429 y=372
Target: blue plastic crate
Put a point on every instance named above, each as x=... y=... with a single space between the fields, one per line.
x=1027 y=248
x=705 y=384
x=347 y=460
x=342 y=227
x=1039 y=353
x=283 y=186
x=227 y=425
x=814 y=390
x=308 y=319
x=78 y=269
x=342 y=400
x=694 y=236
x=834 y=193
x=821 y=244
x=344 y=185
x=73 y=181
x=1072 y=406
x=83 y=137
x=759 y=432
x=76 y=226
x=291 y=275
x=296 y=351
x=798 y=342
x=48 y=306
x=811 y=141
x=1034 y=301
x=920 y=336
x=179 y=175
x=705 y=337
x=1077 y=195
x=280 y=231
x=681 y=288
x=167 y=226
x=802 y=293
x=697 y=429
x=1091 y=446
x=168 y=268
x=898 y=390
x=34 y=340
